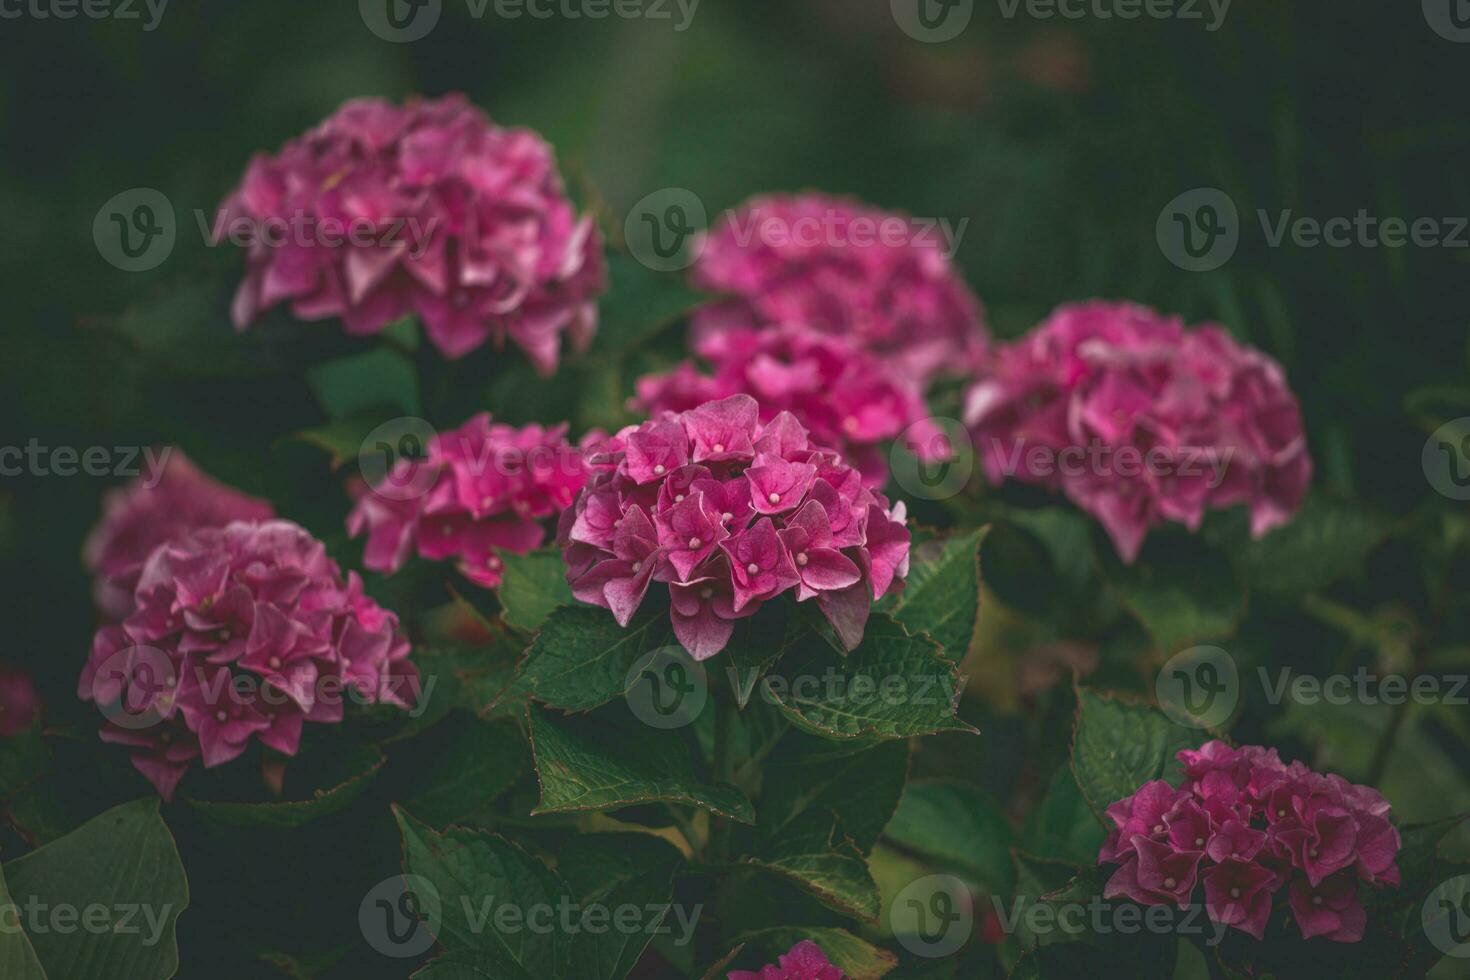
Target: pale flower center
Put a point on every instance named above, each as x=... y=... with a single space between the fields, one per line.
x=659 y=469
x=752 y=568
x=719 y=447
x=802 y=559
x=695 y=543
x=774 y=497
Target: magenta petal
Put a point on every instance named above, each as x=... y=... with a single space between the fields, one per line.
x=847 y=611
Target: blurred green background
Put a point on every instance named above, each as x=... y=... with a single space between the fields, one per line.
x=1058 y=140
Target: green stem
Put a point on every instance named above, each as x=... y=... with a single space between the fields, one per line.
x=724 y=769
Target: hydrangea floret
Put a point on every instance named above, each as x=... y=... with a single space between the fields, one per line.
x=805 y=961
x=481 y=490
x=729 y=513
x=427 y=209
x=1243 y=827
x=841 y=267
x=240 y=634
x=1138 y=421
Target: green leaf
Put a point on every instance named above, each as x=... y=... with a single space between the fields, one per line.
x=581 y=658
x=17 y=956
x=956 y=825
x=894 y=685
x=532 y=586
x=345 y=778
x=1326 y=540
x=592 y=764
x=608 y=872
x=464 y=966
x=1062 y=827
x=815 y=852
x=1181 y=590
x=342 y=438
x=124 y=858
x=639 y=304
x=810 y=773
x=857 y=958
x=941 y=595
x=466 y=765
x=379 y=377
x=474 y=874
x=1117 y=747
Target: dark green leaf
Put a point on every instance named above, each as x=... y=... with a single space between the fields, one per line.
x=581 y=658
x=1117 y=747
x=532 y=586
x=955 y=825
x=941 y=595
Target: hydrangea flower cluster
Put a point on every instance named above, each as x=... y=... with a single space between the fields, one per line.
x=729 y=514
x=805 y=961
x=481 y=490
x=844 y=395
x=240 y=633
x=840 y=267
x=1139 y=421
x=153 y=509
x=1244 y=825
x=430 y=209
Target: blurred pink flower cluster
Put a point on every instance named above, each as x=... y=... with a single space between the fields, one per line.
x=154 y=509
x=847 y=397
x=730 y=513
x=482 y=489
x=1138 y=420
x=239 y=633
x=884 y=281
x=427 y=209
x=1243 y=826
x=805 y=961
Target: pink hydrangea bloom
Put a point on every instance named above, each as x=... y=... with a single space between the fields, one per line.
x=1243 y=826
x=240 y=634
x=840 y=267
x=20 y=704
x=483 y=489
x=847 y=397
x=428 y=209
x=1139 y=421
x=805 y=961
x=155 y=508
x=729 y=513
